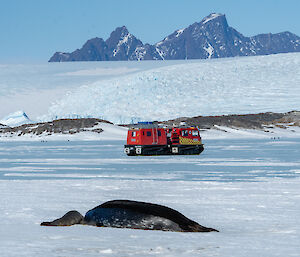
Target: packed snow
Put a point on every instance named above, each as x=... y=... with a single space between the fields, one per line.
x=247 y=189
x=154 y=90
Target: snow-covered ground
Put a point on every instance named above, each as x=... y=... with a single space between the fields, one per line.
x=131 y=91
x=245 y=184
x=246 y=188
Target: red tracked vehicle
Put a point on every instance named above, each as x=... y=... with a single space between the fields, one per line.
x=147 y=138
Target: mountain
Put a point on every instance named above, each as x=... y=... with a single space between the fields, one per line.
x=210 y=38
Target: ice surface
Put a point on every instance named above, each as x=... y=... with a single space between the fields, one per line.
x=154 y=90
x=33 y=87
x=233 y=85
x=15 y=119
x=248 y=189
x=100 y=71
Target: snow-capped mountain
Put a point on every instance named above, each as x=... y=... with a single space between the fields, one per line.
x=210 y=38
x=121 y=45
x=15 y=119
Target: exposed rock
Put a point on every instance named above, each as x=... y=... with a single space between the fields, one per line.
x=261 y=121
x=209 y=38
x=246 y=121
x=62 y=126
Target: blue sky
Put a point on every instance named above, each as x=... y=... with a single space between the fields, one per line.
x=32 y=30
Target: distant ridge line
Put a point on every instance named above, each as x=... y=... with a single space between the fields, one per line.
x=209 y=38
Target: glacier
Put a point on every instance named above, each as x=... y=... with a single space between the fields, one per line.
x=125 y=92
x=15 y=119
x=34 y=87
x=191 y=88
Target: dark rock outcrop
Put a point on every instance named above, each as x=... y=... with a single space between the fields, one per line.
x=62 y=126
x=244 y=121
x=261 y=121
x=210 y=38
x=3 y=126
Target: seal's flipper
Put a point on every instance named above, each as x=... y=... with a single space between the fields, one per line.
x=198 y=228
x=69 y=219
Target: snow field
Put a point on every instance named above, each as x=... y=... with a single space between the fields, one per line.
x=254 y=218
x=248 y=189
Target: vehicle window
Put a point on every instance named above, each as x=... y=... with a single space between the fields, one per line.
x=195 y=133
x=133 y=133
x=184 y=133
x=149 y=133
x=159 y=133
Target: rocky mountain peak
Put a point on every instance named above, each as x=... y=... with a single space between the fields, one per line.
x=118 y=34
x=212 y=37
x=122 y=45
x=214 y=17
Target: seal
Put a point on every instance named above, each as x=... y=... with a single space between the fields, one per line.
x=131 y=214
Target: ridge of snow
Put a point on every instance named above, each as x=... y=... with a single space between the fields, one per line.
x=179 y=32
x=159 y=43
x=209 y=50
x=162 y=41
x=62 y=53
x=211 y=17
x=160 y=52
x=123 y=40
x=15 y=119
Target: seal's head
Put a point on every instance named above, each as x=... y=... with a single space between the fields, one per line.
x=69 y=219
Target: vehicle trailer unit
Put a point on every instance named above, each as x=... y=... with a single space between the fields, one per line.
x=150 y=139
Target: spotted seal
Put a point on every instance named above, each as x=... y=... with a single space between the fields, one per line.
x=131 y=214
